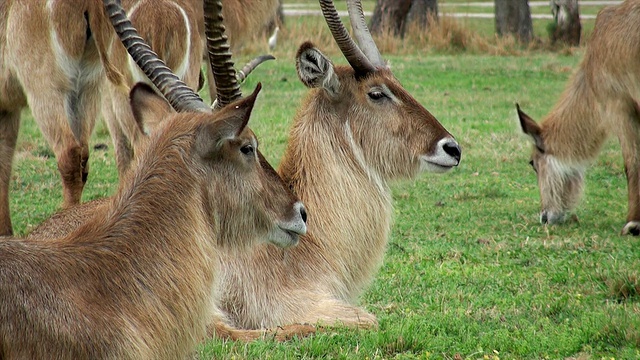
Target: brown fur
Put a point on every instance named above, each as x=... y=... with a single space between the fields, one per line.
x=601 y=97
x=136 y=281
x=242 y=19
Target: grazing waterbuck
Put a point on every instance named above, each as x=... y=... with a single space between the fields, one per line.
x=602 y=97
x=137 y=280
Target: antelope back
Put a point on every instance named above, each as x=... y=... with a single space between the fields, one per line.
x=173 y=30
x=389 y=132
x=244 y=18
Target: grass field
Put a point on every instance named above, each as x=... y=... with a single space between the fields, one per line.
x=469 y=272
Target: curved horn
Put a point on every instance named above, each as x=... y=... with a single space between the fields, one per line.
x=252 y=65
x=178 y=94
x=362 y=34
x=351 y=51
x=224 y=73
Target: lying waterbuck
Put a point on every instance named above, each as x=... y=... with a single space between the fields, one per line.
x=136 y=281
x=603 y=96
x=71 y=218
x=357 y=130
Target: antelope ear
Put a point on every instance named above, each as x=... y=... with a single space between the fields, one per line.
x=531 y=128
x=149 y=108
x=227 y=124
x=316 y=70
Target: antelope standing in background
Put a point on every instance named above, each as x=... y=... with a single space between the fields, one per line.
x=51 y=61
x=136 y=281
x=357 y=130
x=175 y=30
x=603 y=96
x=61 y=81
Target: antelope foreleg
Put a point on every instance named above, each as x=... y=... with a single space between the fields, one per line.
x=630 y=143
x=9 y=126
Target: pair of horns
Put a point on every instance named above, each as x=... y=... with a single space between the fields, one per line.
x=364 y=58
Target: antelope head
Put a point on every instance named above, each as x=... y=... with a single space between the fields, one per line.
x=560 y=185
x=222 y=138
x=396 y=136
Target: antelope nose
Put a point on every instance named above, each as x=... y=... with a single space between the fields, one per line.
x=452 y=149
x=303 y=213
x=299 y=225
x=544 y=218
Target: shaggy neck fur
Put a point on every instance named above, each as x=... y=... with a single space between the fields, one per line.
x=348 y=202
x=574 y=131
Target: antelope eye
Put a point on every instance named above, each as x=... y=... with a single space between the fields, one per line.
x=376 y=95
x=247 y=149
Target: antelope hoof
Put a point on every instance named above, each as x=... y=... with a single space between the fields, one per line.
x=632 y=228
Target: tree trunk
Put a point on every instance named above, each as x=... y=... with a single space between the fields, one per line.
x=390 y=16
x=567 y=28
x=422 y=11
x=514 y=17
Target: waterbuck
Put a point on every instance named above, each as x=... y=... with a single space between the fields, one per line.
x=357 y=130
x=602 y=97
x=137 y=280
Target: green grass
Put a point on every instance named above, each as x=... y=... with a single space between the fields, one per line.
x=469 y=272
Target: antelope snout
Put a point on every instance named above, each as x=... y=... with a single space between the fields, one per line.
x=298 y=224
x=287 y=233
x=446 y=155
x=452 y=149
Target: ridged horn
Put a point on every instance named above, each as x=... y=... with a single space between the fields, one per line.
x=218 y=48
x=356 y=58
x=181 y=97
x=362 y=34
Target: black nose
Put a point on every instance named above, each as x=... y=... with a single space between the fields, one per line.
x=453 y=149
x=544 y=218
x=303 y=213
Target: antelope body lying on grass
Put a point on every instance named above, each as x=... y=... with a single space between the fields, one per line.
x=357 y=130
x=602 y=97
x=136 y=280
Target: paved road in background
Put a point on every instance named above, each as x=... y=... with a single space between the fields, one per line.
x=306 y=9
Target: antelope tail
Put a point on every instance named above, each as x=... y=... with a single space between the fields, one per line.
x=102 y=33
